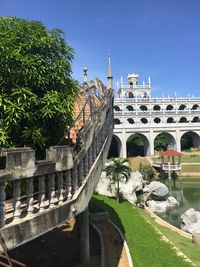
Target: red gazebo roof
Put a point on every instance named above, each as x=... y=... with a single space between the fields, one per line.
x=171 y=152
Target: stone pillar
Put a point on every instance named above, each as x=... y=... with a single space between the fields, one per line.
x=29 y=191
x=85 y=164
x=52 y=192
x=74 y=178
x=178 y=140
x=123 y=152
x=151 y=143
x=60 y=187
x=2 y=204
x=41 y=192
x=83 y=237
x=80 y=173
x=17 y=198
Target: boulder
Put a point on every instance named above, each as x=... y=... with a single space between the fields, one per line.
x=128 y=189
x=190 y=221
x=162 y=206
x=158 y=191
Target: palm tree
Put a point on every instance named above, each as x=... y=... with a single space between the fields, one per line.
x=117 y=170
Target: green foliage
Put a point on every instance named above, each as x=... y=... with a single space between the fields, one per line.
x=161 y=143
x=148 y=172
x=135 y=145
x=117 y=171
x=36 y=88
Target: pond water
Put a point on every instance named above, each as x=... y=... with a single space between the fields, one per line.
x=187 y=192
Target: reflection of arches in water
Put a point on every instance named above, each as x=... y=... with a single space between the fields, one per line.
x=191 y=193
x=163 y=141
x=115 y=147
x=190 y=139
x=137 y=145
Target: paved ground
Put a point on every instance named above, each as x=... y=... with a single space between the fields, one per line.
x=57 y=248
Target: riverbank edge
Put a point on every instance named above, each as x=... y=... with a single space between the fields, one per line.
x=166 y=224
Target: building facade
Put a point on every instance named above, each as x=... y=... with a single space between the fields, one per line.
x=136 y=112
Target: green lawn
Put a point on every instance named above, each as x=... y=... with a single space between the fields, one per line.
x=145 y=244
x=190 y=158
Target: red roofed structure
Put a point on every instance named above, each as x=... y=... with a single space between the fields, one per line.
x=171 y=152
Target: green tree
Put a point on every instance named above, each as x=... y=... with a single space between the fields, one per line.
x=117 y=171
x=36 y=88
x=148 y=172
x=161 y=142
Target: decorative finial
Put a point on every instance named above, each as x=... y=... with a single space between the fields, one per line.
x=110 y=77
x=85 y=73
x=149 y=81
x=121 y=81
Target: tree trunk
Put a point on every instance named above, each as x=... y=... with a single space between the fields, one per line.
x=117 y=191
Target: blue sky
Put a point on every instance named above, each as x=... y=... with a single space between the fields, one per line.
x=160 y=38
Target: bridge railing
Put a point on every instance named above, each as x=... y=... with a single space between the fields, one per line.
x=45 y=193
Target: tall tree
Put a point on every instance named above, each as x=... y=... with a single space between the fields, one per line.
x=117 y=171
x=36 y=87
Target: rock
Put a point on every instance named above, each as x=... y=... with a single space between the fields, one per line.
x=162 y=206
x=190 y=221
x=128 y=189
x=158 y=191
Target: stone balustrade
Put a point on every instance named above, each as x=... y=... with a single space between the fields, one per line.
x=45 y=193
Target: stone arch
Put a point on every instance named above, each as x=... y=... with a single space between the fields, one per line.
x=143 y=108
x=170 y=120
x=130 y=95
x=116 y=108
x=190 y=139
x=183 y=120
x=117 y=121
x=169 y=107
x=195 y=107
x=130 y=120
x=115 y=147
x=144 y=120
x=182 y=107
x=163 y=141
x=157 y=120
x=196 y=119
x=156 y=108
x=137 y=144
x=130 y=108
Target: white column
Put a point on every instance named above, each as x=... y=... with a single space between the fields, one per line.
x=123 y=152
x=151 y=142
x=178 y=140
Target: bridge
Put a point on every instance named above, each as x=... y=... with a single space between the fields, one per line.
x=136 y=112
x=46 y=193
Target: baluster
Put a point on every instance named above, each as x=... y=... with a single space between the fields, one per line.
x=2 y=204
x=94 y=144
x=80 y=173
x=60 y=187
x=17 y=198
x=68 y=185
x=29 y=190
x=42 y=192
x=85 y=163
x=74 y=179
x=52 y=192
x=90 y=157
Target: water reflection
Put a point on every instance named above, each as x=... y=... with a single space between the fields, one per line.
x=187 y=192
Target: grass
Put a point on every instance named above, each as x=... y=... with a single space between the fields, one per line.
x=192 y=158
x=136 y=161
x=145 y=244
x=191 y=250
x=190 y=168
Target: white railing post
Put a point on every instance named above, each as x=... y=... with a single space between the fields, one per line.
x=52 y=192
x=29 y=191
x=17 y=198
x=41 y=187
